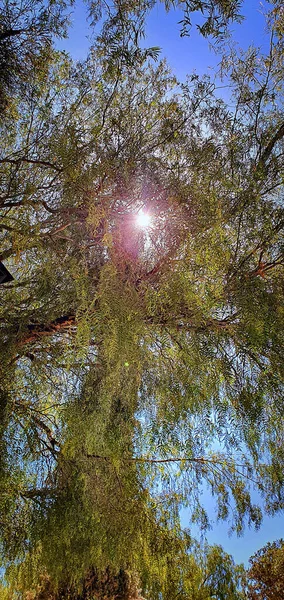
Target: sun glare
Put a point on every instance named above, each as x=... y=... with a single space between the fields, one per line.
x=143 y=220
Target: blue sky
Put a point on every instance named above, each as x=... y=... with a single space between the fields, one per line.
x=185 y=55
x=193 y=53
x=241 y=547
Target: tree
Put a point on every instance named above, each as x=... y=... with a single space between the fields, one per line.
x=265 y=576
x=138 y=366
x=27 y=30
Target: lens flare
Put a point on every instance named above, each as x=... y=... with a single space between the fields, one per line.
x=143 y=220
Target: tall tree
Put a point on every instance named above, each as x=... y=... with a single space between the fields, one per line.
x=139 y=365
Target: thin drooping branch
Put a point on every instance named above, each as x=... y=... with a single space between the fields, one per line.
x=46 y=429
x=171 y=459
x=187 y=323
x=260 y=166
x=212 y=462
x=217 y=463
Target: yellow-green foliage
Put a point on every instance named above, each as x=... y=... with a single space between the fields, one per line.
x=139 y=367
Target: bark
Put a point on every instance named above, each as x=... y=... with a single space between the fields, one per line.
x=40 y=330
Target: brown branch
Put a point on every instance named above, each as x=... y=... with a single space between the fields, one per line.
x=41 y=163
x=38 y=493
x=261 y=245
x=39 y=330
x=151 y=460
x=260 y=168
x=263 y=267
x=44 y=427
x=267 y=151
x=58 y=229
x=262 y=92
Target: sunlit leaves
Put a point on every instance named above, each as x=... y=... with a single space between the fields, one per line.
x=140 y=366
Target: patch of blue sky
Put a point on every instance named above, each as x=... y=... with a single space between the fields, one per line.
x=194 y=53
x=241 y=547
x=184 y=54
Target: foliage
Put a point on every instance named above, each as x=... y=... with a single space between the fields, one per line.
x=265 y=576
x=139 y=367
x=217 y=15
x=27 y=29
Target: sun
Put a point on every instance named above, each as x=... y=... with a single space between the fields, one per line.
x=143 y=220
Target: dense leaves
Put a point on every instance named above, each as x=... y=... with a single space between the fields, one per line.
x=139 y=367
x=265 y=576
x=26 y=33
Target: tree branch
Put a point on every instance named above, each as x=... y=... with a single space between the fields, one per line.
x=172 y=459
x=10 y=33
x=33 y=161
x=39 y=330
x=267 y=151
x=38 y=493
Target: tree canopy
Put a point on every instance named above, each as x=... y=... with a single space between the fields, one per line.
x=140 y=366
x=266 y=580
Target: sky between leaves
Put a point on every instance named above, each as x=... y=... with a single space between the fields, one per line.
x=185 y=55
